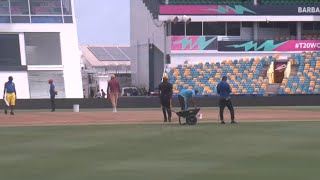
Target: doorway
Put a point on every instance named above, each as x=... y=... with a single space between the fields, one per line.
x=279 y=68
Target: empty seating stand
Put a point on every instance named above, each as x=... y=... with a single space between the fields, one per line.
x=243 y=76
x=307 y=78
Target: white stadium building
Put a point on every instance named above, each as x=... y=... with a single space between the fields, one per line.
x=38 y=42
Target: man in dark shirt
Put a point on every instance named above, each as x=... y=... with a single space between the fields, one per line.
x=9 y=95
x=165 y=95
x=53 y=94
x=224 y=91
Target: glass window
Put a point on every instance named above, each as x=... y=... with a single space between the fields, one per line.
x=4 y=19
x=46 y=19
x=43 y=48
x=68 y=19
x=214 y=28
x=293 y=28
x=178 y=29
x=4 y=7
x=281 y=25
x=66 y=5
x=247 y=24
x=307 y=26
x=266 y=24
x=19 y=7
x=20 y=19
x=233 y=29
x=194 y=28
x=45 y=7
x=10 y=50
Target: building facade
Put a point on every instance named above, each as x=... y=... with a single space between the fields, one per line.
x=38 y=42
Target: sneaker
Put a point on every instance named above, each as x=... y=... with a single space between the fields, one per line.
x=222 y=122
x=11 y=113
x=233 y=122
x=5 y=111
x=114 y=110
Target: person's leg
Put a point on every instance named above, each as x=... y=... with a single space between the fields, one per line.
x=12 y=103
x=222 y=105
x=53 y=107
x=167 y=105
x=112 y=98
x=169 y=109
x=181 y=102
x=164 y=111
x=6 y=105
x=116 y=100
x=230 y=107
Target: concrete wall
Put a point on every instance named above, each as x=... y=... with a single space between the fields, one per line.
x=153 y=102
x=144 y=30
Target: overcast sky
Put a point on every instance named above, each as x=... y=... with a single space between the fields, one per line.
x=103 y=21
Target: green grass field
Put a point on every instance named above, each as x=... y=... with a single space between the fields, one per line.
x=257 y=151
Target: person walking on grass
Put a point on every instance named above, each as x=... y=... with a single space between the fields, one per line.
x=113 y=91
x=165 y=95
x=224 y=91
x=53 y=93
x=9 y=95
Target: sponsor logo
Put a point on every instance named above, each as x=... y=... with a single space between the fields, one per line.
x=199 y=43
x=307 y=45
x=237 y=9
x=283 y=66
x=268 y=45
x=308 y=9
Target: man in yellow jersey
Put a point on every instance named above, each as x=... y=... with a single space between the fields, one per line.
x=9 y=94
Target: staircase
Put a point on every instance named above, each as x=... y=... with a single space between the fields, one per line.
x=294 y=70
x=264 y=71
x=273 y=88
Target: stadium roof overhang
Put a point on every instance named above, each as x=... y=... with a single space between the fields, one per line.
x=226 y=18
x=239 y=13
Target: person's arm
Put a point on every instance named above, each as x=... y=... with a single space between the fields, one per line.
x=218 y=88
x=14 y=89
x=229 y=88
x=159 y=87
x=108 y=90
x=171 y=91
x=118 y=84
x=4 y=90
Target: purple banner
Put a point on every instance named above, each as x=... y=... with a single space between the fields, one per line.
x=270 y=45
x=239 y=10
x=299 y=45
x=194 y=43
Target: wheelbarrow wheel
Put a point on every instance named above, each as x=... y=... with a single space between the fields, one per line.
x=191 y=120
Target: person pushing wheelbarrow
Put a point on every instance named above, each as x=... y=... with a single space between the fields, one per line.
x=185 y=96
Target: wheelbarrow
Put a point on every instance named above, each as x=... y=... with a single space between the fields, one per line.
x=190 y=116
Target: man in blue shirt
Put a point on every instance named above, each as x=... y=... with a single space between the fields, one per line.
x=185 y=96
x=53 y=94
x=9 y=94
x=224 y=91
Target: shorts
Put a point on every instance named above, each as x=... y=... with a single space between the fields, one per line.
x=11 y=98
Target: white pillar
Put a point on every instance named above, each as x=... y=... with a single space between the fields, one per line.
x=22 y=49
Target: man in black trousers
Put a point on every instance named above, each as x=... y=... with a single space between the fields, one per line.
x=53 y=94
x=224 y=91
x=165 y=95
